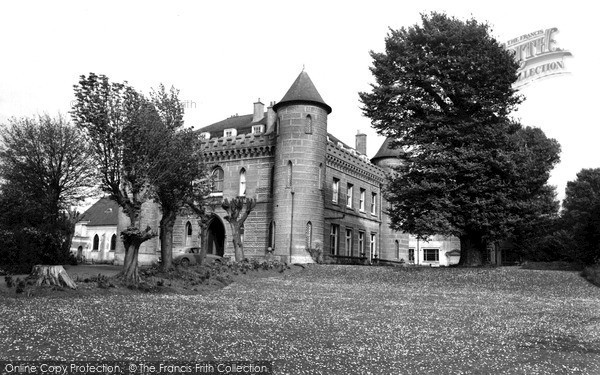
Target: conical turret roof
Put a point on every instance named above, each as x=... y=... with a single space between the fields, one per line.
x=385 y=151
x=303 y=91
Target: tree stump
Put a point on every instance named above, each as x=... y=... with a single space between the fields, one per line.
x=52 y=275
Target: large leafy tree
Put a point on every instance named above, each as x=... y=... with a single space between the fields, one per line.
x=45 y=169
x=581 y=215
x=443 y=92
x=183 y=182
x=127 y=136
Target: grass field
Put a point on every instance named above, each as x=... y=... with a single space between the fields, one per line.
x=332 y=320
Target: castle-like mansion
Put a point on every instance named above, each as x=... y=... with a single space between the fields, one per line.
x=312 y=190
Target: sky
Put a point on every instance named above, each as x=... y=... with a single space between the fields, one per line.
x=223 y=56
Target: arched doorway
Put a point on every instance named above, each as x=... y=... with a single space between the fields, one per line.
x=216 y=237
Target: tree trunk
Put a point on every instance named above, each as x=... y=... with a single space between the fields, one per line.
x=166 y=240
x=133 y=238
x=52 y=275
x=471 y=250
x=203 y=223
x=130 y=271
x=237 y=241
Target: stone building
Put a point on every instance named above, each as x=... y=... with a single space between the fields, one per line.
x=312 y=190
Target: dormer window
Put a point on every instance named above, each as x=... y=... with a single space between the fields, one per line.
x=205 y=135
x=258 y=129
x=229 y=133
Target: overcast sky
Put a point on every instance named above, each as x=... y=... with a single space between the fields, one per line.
x=224 y=55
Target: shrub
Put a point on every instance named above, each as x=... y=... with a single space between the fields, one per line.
x=21 y=249
x=316 y=254
x=9 y=281
x=592 y=274
x=20 y=286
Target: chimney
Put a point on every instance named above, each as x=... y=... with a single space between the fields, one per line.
x=361 y=143
x=259 y=111
x=271 y=116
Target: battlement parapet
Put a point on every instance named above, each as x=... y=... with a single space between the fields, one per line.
x=354 y=162
x=240 y=146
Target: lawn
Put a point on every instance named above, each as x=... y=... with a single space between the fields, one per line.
x=332 y=320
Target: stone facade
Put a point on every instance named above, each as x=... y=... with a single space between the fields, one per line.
x=312 y=191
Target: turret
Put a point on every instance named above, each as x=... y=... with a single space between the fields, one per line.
x=301 y=146
x=387 y=157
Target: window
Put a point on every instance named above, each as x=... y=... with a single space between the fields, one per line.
x=257 y=129
x=188 y=233
x=113 y=242
x=362 y=200
x=308 y=125
x=336 y=190
x=373 y=246
x=349 y=242
x=321 y=176
x=272 y=235
x=349 y=191
x=272 y=181
x=96 y=243
x=242 y=230
x=277 y=124
x=309 y=235
x=289 y=174
x=242 y=183
x=431 y=255
x=334 y=240
x=205 y=135
x=361 y=243
x=374 y=203
x=217 y=180
x=397 y=249
x=411 y=255
x=230 y=133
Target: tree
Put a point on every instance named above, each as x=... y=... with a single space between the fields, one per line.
x=444 y=93
x=238 y=210
x=47 y=160
x=45 y=169
x=183 y=182
x=127 y=137
x=581 y=215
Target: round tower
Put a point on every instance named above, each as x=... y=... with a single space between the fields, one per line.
x=387 y=158
x=299 y=171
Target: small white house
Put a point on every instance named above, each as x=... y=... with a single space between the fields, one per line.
x=436 y=251
x=95 y=238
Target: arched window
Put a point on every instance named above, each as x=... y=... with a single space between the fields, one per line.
x=321 y=176
x=308 y=125
x=217 y=180
x=188 y=233
x=113 y=242
x=242 y=183
x=96 y=243
x=309 y=235
x=289 y=174
x=397 y=249
x=272 y=181
x=271 y=242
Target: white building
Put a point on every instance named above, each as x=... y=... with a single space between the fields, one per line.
x=436 y=251
x=95 y=238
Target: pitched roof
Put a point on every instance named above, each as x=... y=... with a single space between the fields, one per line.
x=303 y=90
x=385 y=151
x=104 y=212
x=241 y=123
